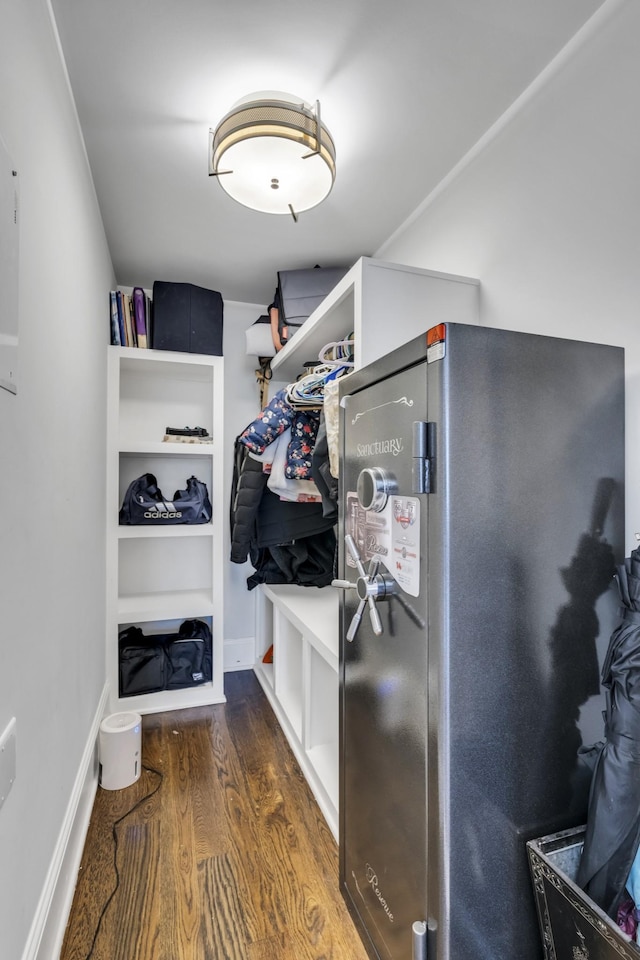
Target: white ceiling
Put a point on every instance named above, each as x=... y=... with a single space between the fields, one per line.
x=406 y=89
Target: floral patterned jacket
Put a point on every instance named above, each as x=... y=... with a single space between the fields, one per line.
x=276 y=417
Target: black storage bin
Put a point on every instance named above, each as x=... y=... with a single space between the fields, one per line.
x=572 y=926
x=187 y=318
x=165 y=661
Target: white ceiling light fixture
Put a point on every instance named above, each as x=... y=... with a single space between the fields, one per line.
x=272 y=153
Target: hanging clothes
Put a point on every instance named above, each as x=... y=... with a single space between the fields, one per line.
x=285 y=542
x=277 y=418
x=332 y=422
x=247 y=485
x=326 y=483
x=276 y=463
x=284 y=489
x=269 y=424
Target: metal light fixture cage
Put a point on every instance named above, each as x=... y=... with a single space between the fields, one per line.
x=272 y=153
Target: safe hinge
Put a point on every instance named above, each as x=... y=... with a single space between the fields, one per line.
x=423 y=454
x=419 y=940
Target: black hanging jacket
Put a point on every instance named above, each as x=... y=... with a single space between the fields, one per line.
x=247 y=486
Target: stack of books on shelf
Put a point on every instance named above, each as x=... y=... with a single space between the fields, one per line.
x=130 y=318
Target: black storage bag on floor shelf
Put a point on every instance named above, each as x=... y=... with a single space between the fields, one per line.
x=187 y=318
x=143 y=664
x=144 y=503
x=164 y=661
x=298 y=294
x=189 y=655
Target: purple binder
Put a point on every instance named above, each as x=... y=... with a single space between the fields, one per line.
x=139 y=313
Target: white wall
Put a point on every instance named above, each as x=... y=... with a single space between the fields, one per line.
x=52 y=475
x=52 y=465
x=546 y=212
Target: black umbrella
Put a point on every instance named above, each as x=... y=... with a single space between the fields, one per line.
x=613 y=824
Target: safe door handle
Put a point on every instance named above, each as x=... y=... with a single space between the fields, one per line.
x=371 y=586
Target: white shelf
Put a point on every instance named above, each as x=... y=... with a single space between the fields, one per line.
x=314 y=613
x=177 y=531
x=169 y=574
x=166 y=449
x=135 y=358
x=384 y=305
x=169 y=605
x=200 y=696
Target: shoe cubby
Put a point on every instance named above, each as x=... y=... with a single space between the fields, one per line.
x=322 y=721
x=302 y=683
x=288 y=668
x=158 y=390
x=171 y=470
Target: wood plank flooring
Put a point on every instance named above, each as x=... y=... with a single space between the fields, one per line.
x=226 y=855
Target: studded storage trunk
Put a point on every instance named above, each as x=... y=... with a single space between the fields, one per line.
x=573 y=927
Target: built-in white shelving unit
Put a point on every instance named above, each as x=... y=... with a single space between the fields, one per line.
x=383 y=305
x=158 y=577
x=302 y=682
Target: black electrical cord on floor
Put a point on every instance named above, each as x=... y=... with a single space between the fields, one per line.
x=116 y=824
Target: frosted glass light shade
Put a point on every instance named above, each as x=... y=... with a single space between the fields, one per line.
x=273 y=155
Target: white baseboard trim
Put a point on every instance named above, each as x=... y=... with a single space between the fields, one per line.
x=239 y=654
x=49 y=923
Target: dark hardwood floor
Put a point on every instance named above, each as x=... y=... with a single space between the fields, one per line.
x=226 y=855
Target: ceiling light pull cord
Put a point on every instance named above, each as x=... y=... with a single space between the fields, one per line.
x=114 y=831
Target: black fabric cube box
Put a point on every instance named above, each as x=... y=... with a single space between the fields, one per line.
x=186 y=318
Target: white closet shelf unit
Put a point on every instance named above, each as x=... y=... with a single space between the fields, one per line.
x=158 y=577
x=382 y=305
x=301 y=683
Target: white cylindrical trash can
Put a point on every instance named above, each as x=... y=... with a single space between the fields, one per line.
x=120 y=750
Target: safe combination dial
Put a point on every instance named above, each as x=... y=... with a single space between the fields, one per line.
x=374 y=487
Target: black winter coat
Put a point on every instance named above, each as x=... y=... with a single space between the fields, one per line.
x=248 y=483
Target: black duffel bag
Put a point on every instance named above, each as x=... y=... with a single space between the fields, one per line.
x=164 y=661
x=144 y=503
x=143 y=664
